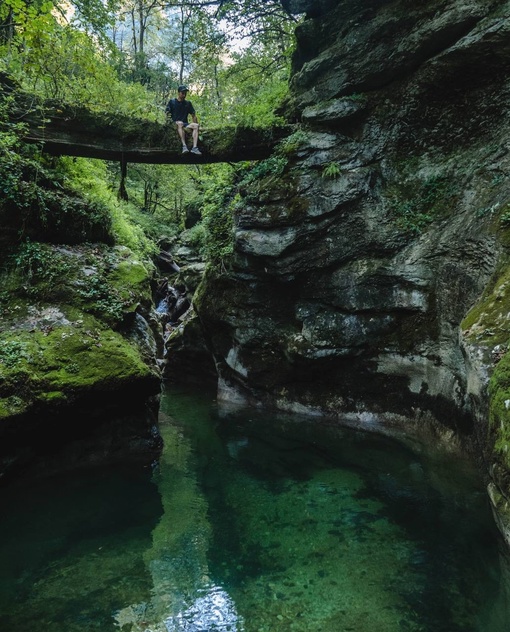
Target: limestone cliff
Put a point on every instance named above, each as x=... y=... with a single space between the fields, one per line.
x=357 y=261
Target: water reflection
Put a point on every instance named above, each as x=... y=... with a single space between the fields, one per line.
x=255 y=524
x=184 y=599
x=301 y=530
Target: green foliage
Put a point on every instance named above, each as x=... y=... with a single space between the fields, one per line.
x=153 y=227
x=273 y=166
x=331 y=171
x=195 y=237
x=37 y=198
x=70 y=219
x=62 y=62
x=219 y=243
x=102 y=300
x=73 y=61
x=42 y=271
x=250 y=100
x=245 y=85
x=128 y=233
x=421 y=203
x=292 y=143
x=90 y=180
x=163 y=193
x=17 y=163
x=217 y=212
x=11 y=352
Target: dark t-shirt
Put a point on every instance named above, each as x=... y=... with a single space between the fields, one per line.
x=180 y=110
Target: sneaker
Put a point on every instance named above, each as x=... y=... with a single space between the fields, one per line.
x=196 y=151
x=185 y=150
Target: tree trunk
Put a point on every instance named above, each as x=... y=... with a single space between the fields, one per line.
x=122 y=193
x=7 y=28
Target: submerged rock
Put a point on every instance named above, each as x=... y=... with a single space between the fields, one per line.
x=215 y=611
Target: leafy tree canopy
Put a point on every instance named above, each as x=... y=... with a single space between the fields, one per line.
x=75 y=50
x=129 y=56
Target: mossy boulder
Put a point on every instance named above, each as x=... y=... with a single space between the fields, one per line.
x=56 y=364
x=110 y=283
x=78 y=372
x=65 y=315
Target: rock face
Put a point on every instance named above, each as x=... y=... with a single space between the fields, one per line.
x=78 y=374
x=355 y=267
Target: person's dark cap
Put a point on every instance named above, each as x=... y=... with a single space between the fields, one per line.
x=182 y=89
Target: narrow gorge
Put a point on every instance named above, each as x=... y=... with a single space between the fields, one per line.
x=275 y=395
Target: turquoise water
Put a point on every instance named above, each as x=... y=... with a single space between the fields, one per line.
x=254 y=523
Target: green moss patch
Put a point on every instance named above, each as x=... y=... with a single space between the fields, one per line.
x=499 y=418
x=108 y=283
x=130 y=280
x=488 y=321
x=54 y=364
x=60 y=308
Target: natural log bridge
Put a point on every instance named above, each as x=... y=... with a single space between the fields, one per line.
x=76 y=131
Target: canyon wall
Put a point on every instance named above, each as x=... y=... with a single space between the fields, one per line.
x=370 y=254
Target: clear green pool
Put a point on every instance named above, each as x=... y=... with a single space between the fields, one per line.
x=258 y=524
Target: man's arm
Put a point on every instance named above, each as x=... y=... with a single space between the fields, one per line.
x=192 y=113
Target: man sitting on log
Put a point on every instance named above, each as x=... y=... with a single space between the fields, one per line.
x=179 y=110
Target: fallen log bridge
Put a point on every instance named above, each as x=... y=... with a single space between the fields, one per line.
x=73 y=131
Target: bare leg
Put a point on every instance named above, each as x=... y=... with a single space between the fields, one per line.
x=195 y=133
x=180 y=131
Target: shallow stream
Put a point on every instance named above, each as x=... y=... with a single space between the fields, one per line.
x=254 y=523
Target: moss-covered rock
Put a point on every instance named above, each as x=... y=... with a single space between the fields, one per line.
x=499 y=417
x=110 y=283
x=63 y=311
x=486 y=333
x=55 y=364
x=487 y=322
x=487 y=325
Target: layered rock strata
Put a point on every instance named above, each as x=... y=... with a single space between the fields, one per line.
x=387 y=219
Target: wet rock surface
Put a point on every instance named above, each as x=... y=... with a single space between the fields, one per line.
x=184 y=356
